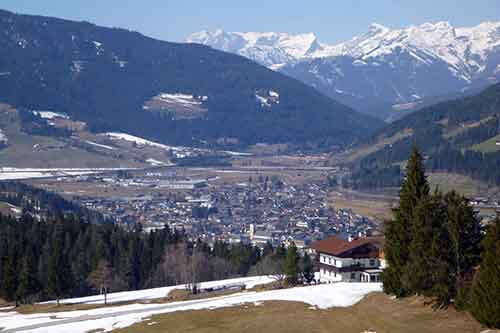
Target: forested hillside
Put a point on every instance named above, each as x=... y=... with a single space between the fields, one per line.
x=460 y=136
x=40 y=203
x=113 y=78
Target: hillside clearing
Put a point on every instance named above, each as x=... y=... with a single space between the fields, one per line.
x=462 y=184
x=488 y=146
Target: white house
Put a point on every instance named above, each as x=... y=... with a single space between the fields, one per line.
x=359 y=260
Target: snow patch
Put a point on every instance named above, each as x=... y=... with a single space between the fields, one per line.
x=50 y=114
x=109 y=318
x=3 y=137
x=135 y=139
x=9 y=173
x=99 y=145
x=183 y=99
x=156 y=293
x=268 y=99
x=154 y=162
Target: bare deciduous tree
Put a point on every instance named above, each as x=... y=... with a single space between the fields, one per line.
x=273 y=266
x=102 y=278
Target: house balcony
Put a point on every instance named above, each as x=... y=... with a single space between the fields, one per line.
x=347 y=269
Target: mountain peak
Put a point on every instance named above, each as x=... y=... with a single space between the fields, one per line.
x=272 y=49
x=377 y=28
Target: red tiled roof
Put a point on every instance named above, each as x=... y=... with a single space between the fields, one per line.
x=336 y=246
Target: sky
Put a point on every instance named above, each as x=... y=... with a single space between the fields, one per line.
x=331 y=20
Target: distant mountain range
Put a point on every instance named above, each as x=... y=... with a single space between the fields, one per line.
x=380 y=68
x=115 y=79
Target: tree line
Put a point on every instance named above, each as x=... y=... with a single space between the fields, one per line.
x=434 y=247
x=66 y=256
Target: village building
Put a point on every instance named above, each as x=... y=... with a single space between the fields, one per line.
x=359 y=260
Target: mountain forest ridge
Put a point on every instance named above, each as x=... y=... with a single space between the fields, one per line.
x=115 y=79
x=459 y=136
x=380 y=66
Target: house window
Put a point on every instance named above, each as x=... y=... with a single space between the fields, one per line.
x=353 y=276
x=335 y=262
x=330 y=261
x=372 y=262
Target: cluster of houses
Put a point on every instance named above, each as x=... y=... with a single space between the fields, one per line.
x=258 y=211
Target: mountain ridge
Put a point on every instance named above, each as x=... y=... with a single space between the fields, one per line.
x=111 y=78
x=458 y=136
x=383 y=65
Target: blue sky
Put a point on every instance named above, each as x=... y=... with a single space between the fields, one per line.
x=331 y=20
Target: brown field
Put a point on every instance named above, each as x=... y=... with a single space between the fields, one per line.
x=376 y=313
x=462 y=184
x=374 y=206
x=382 y=142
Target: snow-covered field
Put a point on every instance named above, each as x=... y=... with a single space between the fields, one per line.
x=135 y=139
x=178 y=150
x=8 y=173
x=320 y=296
x=155 y=293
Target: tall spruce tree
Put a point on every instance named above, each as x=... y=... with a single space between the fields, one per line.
x=398 y=231
x=485 y=300
x=10 y=274
x=427 y=216
x=292 y=265
x=465 y=233
x=59 y=272
x=28 y=281
x=307 y=268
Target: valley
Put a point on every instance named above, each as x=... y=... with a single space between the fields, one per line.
x=249 y=181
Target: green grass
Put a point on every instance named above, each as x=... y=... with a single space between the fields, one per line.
x=488 y=146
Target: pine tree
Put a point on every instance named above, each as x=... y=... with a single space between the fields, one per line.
x=485 y=300
x=28 y=281
x=465 y=232
x=398 y=232
x=307 y=268
x=59 y=272
x=292 y=265
x=465 y=235
x=416 y=277
x=10 y=274
x=430 y=270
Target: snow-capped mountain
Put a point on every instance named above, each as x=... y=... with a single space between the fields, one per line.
x=270 y=49
x=381 y=66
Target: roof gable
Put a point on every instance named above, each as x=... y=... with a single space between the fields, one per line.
x=339 y=247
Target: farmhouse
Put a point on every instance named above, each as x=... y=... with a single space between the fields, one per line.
x=359 y=260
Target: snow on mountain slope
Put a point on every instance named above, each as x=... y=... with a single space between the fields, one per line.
x=465 y=49
x=381 y=66
x=268 y=48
